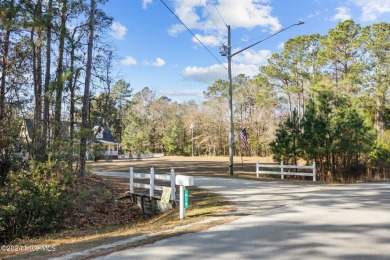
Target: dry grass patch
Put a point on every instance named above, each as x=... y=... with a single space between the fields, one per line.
x=204 y=205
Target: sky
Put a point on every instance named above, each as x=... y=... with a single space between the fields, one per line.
x=156 y=51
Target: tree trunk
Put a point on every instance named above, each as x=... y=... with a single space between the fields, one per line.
x=303 y=98
x=46 y=101
x=38 y=153
x=59 y=72
x=37 y=64
x=84 y=125
x=72 y=84
x=4 y=71
x=379 y=124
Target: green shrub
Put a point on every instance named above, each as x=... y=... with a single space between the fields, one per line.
x=380 y=158
x=97 y=152
x=32 y=201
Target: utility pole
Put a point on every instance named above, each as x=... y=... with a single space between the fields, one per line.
x=231 y=135
x=227 y=51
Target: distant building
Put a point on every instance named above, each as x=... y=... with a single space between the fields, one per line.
x=101 y=136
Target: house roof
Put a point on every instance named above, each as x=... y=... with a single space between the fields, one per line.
x=104 y=137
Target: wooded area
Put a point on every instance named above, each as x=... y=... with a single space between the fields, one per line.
x=323 y=98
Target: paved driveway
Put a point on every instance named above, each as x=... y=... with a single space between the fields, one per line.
x=286 y=221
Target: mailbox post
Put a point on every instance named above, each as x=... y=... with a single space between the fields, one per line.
x=183 y=182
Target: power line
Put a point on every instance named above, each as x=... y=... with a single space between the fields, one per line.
x=219 y=13
x=283 y=29
x=205 y=8
x=212 y=19
x=220 y=38
x=162 y=1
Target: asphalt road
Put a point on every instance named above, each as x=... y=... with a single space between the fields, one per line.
x=286 y=221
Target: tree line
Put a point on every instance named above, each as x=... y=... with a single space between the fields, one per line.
x=53 y=54
x=54 y=57
x=323 y=98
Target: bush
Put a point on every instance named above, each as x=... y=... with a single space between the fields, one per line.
x=32 y=201
x=380 y=159
x=11 y=147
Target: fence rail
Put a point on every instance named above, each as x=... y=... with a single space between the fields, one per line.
x=282 y=168
x=140 y=156
x=152 y=186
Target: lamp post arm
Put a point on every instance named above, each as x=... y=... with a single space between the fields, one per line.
x=250 y=46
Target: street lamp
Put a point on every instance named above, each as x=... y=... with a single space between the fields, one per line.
x=227 y=51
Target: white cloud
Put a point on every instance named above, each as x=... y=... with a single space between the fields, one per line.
x=253 y=57
x=250 y=70
x=209 y=40
x=118 y=31
x=249 y=14
x=145 y=3
x=372 y=9
x=281 y=46
x=342 y=14
x=205 y=74
x=247 y=63
x=246 y=14
x=158 y=63
x=183 y=92
x=175 y=29
x=129 y=60
x=209 y=75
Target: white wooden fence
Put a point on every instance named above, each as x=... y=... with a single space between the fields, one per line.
x=152 y=177
x=283 y=167
x=140 y=156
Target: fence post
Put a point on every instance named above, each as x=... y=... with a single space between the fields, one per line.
x=314 y=171
x=173 y=195
x=151 y=182
x=257 y=169
x=131 y=180
x=281 y=170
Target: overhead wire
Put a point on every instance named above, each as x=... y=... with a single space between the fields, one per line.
x=212 y=19
x=204 y=46
x=208 y=13
x=219 y=13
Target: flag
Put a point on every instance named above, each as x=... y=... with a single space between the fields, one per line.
x=244 y=139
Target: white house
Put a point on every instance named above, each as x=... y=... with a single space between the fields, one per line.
x=101 y=135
